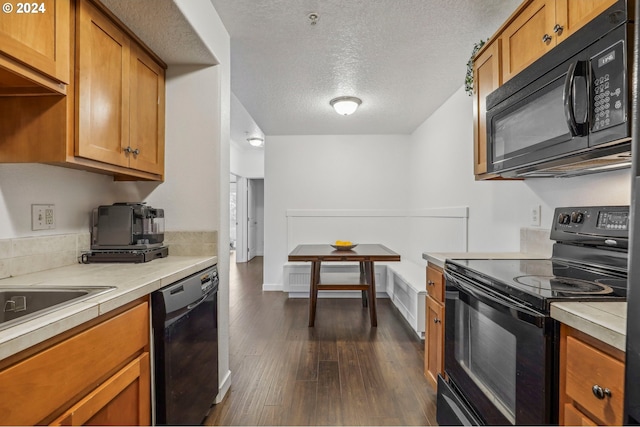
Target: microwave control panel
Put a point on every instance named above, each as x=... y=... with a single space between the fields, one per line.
x=609 y=103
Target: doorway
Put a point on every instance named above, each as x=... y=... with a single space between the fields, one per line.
x=249 y=230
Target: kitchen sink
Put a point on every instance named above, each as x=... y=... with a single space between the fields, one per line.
x=21 y=303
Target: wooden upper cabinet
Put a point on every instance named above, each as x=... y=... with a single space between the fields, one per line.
x=121 y=96
x=571 y=15
x=540 y=26
x=103 y=88
x=487 y=77
x=528 y=37
x=111 y=120
x=147 y=92
x=35 y=45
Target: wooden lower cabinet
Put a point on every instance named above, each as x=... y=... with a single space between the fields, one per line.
x=96 y=375
x=434 y=326
x=591 y=380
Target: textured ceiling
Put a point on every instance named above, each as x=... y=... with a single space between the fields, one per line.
x=403 y=58
x=161 y=25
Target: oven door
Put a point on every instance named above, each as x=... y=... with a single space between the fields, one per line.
x=500 y=355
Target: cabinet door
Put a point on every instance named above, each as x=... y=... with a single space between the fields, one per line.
x=571 y=15
x=124 y=399
x=588 y=367
x=147 y=113
x=435 y=283
x=573 y=417
x=434 y=341
x=44 y=385
x=38 y=35
x=103 y=88
x=486 y=79
x=524 y=41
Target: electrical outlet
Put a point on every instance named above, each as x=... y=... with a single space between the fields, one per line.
x=43 y=217
x=535 y=216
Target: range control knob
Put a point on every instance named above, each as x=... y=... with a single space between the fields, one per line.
x=577 y=217
x=564 y=218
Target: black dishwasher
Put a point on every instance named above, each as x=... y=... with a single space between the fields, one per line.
x=185 y=338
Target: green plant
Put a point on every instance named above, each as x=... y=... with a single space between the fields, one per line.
x=468 y=80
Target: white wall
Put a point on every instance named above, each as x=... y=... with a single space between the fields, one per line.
x=248 y=163
x=74 y=194
x=348 y=172
x=205 y=20
x=393 y=188
x=441 y=174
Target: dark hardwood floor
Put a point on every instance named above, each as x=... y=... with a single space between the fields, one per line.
x=340 y=372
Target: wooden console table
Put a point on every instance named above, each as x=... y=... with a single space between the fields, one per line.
x=365 y=255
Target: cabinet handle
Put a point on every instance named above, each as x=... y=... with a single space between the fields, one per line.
x=136 y=152
x=128 y=150
x=558 y=29
x=600 y=392
x=430 y=283
x=546 y=38
x=436 y=320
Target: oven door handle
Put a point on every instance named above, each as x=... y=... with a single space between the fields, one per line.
x=507 y=306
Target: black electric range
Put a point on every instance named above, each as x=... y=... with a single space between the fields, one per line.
x=589 y=262
x=501 y=344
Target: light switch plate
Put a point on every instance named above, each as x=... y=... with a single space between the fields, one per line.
x=43 y=217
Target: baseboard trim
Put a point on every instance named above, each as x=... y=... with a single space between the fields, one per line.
x=269 y=287
x=224 y=387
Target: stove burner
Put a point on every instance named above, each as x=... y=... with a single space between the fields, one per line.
x=614 y=283
x=565 y=285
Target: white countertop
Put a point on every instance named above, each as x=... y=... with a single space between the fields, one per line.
x=131 y=281
x=438 y=259
x=606 y=321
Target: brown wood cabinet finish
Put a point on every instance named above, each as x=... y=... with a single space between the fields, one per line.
x=80 y=372
x=540 y=26
x=434 y=325
x=591 y=380
x=524 y=41
x=103 y=88
x=572 y=15
x=487 y=77
x=121 y=96
x=147 y=102
x=35 y=48
x=116 y=96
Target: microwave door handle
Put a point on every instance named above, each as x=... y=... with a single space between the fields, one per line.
x=576 y=69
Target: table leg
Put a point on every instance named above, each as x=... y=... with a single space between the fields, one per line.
x=313 y=291
x=363 y=279
x=371 y=280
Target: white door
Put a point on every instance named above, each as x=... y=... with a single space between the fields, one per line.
x=252 y=220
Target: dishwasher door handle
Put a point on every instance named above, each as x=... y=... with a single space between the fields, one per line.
x=200 y=301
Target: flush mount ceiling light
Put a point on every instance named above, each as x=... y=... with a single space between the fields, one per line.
x=255 y=141
x=345 y=105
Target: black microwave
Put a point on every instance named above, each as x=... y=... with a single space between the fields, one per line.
x=568 y=113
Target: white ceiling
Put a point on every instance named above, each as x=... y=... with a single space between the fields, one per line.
x=403 y=58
